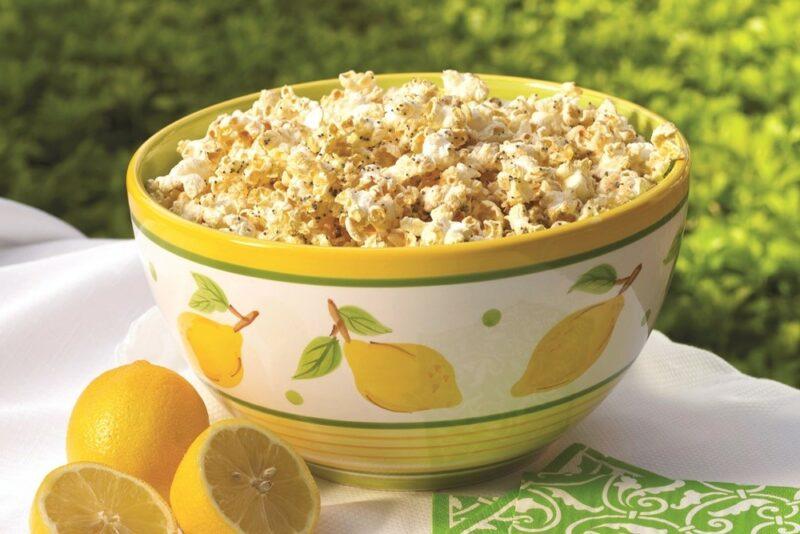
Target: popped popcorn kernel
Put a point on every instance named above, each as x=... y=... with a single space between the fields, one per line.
x=413 y=165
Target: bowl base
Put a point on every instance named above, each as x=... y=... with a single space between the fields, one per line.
x=422 y=481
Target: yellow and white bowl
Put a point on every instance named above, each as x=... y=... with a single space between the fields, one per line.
x=447 y=363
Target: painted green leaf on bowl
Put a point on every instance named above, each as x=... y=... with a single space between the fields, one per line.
x=362 y=322
x=674 y=248
x=209 y=297
x=321 y=356
x=597 y=280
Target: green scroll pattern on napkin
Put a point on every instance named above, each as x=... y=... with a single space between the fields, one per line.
x=462 y=514
x=583 y=491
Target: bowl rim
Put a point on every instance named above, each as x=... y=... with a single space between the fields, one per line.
x=661 y=193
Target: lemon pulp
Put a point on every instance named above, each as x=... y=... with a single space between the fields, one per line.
x=241 y=478
x=91 y=498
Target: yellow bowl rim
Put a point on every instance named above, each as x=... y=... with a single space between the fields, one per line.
x=138 y=196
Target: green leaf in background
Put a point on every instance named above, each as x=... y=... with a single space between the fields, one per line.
x=646 y=317
x=319 y=358
x=597 y=280
x=209 y=297
x=674 y=248
x=153 y=272
x=362 y=322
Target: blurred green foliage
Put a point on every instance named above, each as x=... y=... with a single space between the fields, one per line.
x=83 y=83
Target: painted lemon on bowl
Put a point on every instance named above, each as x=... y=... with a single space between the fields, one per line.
x=402 y=377
x=216 y=347
x=399 y=377
x=576 y=342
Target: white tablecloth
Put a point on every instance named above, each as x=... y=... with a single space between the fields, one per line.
x=67 y=304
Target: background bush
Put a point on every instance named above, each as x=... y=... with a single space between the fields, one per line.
x=82 y=84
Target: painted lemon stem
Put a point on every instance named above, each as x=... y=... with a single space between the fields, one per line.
x=576 y=342
x=628 y=280
x=244 y=320
x=399 y=377
x=338 y=323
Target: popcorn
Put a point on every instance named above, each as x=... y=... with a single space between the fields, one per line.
x=465 y=86
x=413 y=165
x=579 y=185
x=438 y=148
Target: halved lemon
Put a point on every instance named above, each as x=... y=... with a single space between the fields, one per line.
x=239 y=477
x=85 y=498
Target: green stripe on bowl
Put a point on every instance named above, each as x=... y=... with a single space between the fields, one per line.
x=405 y=282
x=421 y=424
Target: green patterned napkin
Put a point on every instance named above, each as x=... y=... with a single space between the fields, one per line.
x=584 y=491
x=457 y=514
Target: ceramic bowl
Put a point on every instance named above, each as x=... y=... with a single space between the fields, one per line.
x=412 y=368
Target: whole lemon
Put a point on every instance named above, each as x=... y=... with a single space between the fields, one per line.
x=140 y=419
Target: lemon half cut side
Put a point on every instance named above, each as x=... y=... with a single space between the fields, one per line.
x=90 y=498
x=239 y=477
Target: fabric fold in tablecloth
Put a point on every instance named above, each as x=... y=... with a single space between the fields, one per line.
x=68 y=302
